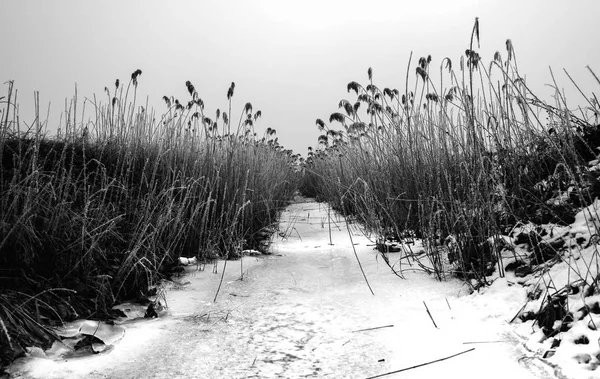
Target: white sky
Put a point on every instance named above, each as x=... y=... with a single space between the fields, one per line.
x=290 y=59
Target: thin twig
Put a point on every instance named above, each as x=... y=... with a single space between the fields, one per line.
x=236 y=295
x=377 y=327
x=429 y=313
x=518 y=313
x=420 y=365
x=221 y=281
x=356 y=255
x=293 y=277
x=329 y=222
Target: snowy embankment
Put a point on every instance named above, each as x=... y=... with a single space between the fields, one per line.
x=306 y=311
x=560 y=321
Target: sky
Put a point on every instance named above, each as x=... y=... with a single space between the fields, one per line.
x=290 y=59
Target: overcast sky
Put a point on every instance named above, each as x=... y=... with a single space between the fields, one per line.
x=290 y=59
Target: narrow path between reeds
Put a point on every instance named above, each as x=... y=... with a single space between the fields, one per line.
x=306 y=311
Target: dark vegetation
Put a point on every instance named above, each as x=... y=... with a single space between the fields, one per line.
x=101 y=212
x=469 y=154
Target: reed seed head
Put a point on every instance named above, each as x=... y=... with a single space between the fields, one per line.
x=135 y=75
x=230 y=91
x=336 y=116
x=353 y=86
x=349 y=109
x=449 y=64
x=509 y=49
x=476 y=29
x=190 y=87
x=320 y=124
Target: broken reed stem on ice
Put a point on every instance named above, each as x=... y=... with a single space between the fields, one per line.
x=220 y=281
x=429 y=313
x=420 y=365
x=377 y=327
x=329 y=222
x=356 y=255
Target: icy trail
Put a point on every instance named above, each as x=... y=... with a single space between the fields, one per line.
x=299 y=312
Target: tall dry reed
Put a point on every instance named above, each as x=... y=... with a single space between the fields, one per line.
x=100 y=212
x=464 y=150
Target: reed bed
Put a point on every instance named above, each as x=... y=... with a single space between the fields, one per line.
x=102 y=211
x=466 y=150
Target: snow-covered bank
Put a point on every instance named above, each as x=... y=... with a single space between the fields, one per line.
x=306 y=311
x=562 y=317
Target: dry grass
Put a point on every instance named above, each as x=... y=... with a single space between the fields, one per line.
x=106 y=207
x=467 y=156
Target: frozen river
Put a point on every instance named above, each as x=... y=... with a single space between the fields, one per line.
x=302 y=313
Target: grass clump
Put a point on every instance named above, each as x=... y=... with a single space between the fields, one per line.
x=102 y=211
x=460 y=152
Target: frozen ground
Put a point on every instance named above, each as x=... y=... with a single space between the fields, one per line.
x=299 y=314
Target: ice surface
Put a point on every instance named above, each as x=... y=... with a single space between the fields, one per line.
x=303 y=311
